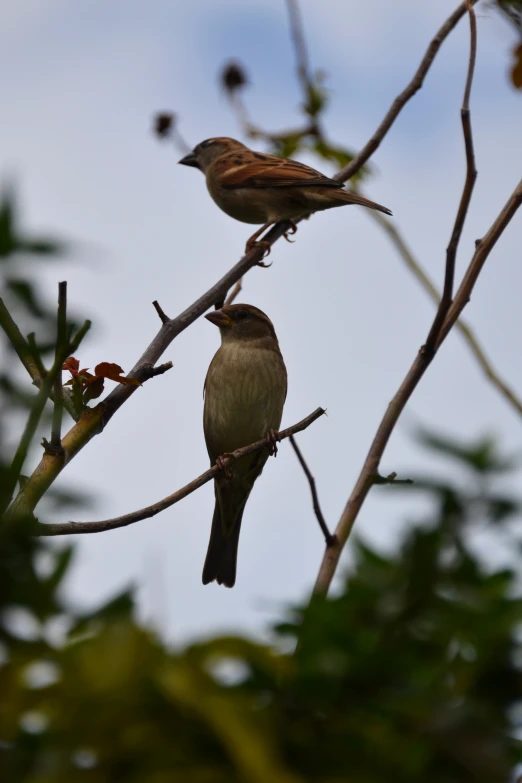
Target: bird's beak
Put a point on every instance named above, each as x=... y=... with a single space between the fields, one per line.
x=219 y=318
x=190 y=160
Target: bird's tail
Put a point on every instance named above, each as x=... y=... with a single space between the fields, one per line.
x=220 y=563
x=348 y=196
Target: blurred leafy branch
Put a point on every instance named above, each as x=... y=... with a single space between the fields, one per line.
x=413 y=671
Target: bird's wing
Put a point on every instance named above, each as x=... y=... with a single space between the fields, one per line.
x=268 y=171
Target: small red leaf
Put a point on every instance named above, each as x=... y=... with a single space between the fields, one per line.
x=114 y=373
x=72 y=365
x=94 y=387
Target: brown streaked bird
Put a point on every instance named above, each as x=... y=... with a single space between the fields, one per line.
x=245 y=391
x=257 y=188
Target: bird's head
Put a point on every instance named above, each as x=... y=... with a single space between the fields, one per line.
x=242 y=322
x=205 y=153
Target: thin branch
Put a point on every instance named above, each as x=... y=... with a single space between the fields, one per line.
x=67 y=528
x=330 y=540
x=370 y=472
x=298 y=39
x=163 y=317
x=402 y=99
x=31 y=340
x=234 y=293
x=78 y=337
x=370 y=469
x=469 y=184
x=463 y=327
x=27 y=352
x=34 y=419
x=19 y=343
x=483 y=249
x=174 y=326
x=155 y=371
x=61 y=349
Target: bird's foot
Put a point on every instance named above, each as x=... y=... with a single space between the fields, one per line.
x=220 y=462
x=272 y=439
x=259 y=244
x=291 y=230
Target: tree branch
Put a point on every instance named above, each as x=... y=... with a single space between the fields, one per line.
x=296 y=31
x=19 y=343
x=369 y=474
x=330 y=540
x=61 y=349
x=469 y=184
x=463 y=327
x=402 y=99
x=235 y=292
x=483 y=249
x=67 y=528
x=34 y=418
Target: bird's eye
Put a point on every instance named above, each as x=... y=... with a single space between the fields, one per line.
x=242 y=314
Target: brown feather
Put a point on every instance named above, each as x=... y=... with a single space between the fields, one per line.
x=271 y=172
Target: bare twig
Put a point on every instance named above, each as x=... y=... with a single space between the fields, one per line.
x=27 y=352
x=483 y=249
x=296 y=30
x=402 y=99
x=61 y=349
x=78 y=337
x=370 y=470
x=31 y=341
x=34 y=419
x=330 y=540
x=234 y=293
x=159 y=370
x=420 y=365
x=471 y=176
x=67 y=528
x=174 y=326
x=463 y=327
x=163 y=317
x=20 y=344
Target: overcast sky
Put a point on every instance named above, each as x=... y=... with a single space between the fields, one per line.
x=81 y=84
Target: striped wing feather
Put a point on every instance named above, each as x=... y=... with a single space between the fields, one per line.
x=269 y=171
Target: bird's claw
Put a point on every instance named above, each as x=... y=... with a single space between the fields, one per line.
x=273 y=438
x=291 y=230
x=221 y=464
x=259 y=244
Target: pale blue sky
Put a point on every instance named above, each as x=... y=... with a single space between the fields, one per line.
x=84 y=82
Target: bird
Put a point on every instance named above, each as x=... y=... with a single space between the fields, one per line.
x=244 y=394
x=254 y=187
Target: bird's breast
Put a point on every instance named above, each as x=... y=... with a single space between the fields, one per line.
x=241 y=204
x=245 y=390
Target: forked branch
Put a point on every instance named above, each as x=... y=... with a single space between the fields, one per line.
x=68 y=528
x=370 y=469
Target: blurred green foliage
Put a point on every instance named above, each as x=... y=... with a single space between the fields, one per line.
x=411 y=672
